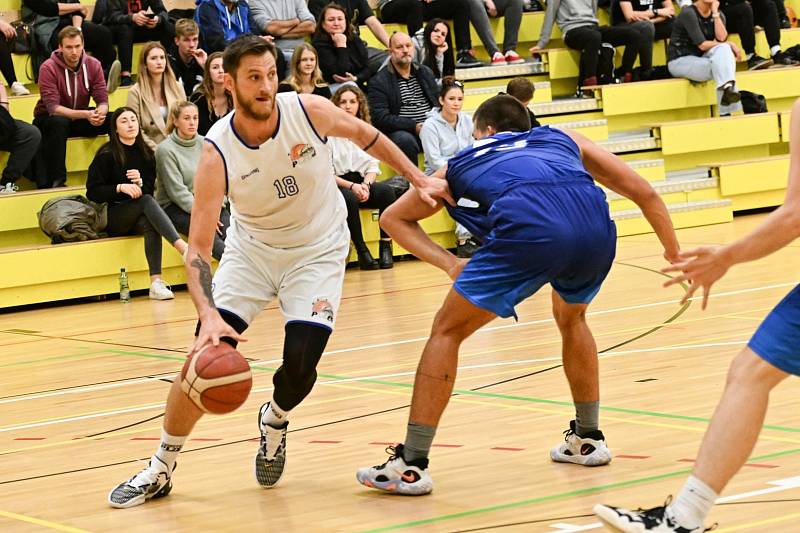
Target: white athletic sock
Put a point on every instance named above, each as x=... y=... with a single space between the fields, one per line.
x=274 y=416
x=693 y=504
x=168 y=450
x=774 y=50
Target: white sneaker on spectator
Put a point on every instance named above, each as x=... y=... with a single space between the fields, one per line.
x=114 y=77
x=17 y=89
x=10 y=188
x=160 y=291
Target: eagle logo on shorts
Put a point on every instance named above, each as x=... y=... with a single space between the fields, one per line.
x=322 y=307
x=300 y=153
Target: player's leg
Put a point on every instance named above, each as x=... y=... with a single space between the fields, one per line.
x=406 y=470
x=771 y=356
x=310 y=292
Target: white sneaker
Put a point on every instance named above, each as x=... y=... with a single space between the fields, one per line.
x=17 y=89
x=396 y=475
x=590 y=450
x=114 y=78
x=657 y=520
x=155 y=481
x=160 y=291
x=271 y=455
x=10 y=188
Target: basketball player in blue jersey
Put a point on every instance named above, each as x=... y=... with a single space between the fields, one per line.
x=772 y=355
x=530 y=197
x=288 y=240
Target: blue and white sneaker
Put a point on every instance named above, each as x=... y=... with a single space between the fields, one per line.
x=589 y=450
x=152 y=482
x=398 y=475
x=271 y=455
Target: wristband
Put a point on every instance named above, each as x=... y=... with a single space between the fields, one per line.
x=351 y=185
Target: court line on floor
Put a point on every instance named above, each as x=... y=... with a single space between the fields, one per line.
x=758 y=523
x=558 y=496
x=39 y=522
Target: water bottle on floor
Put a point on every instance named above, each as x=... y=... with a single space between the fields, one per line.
x=124 y=290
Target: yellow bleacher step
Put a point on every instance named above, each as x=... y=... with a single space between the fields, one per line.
x=475 y=96
x=596 y=130
x=20 y=209
x=773 y=83
x=675 y=189
x=686 y=215
x=687 y=136
x=657 y=95
x=753 y=183
x=630 y=141
x=501 y=71
x=650 y=169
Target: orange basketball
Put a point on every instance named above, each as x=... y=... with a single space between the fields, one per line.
x=217 y=379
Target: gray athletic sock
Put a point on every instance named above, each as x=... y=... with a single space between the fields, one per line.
x=587 y=416
x=419 y=438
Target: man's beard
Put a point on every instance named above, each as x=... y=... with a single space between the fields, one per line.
x=251 y=108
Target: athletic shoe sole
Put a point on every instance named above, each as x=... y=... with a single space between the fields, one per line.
x=583 y=460
x=395 y=487
x=139 y=500
x=608 y=518
x=268 y=473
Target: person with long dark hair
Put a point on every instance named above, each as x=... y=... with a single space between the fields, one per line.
x=342 y=54
x=123 y=175
x=434 y=50
x=212 y=100
x=356 y=175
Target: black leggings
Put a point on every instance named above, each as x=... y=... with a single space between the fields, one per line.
x=182 y=221
x=588 y=40
x=414 y=12
x=6 y=64
x=143 y=216
x=740 y=18
x=381 y=196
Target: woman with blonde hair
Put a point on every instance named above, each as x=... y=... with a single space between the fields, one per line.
x=356 y=174
x=305 y=77
x=156 y=90
x=212 y=100
x=176 y=162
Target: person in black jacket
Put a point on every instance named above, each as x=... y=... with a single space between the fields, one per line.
x=401 y=95
x=342 y=55
x=137 y=21
x=20 y=140
x=123 y=175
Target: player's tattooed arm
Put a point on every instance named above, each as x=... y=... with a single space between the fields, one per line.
x=204 y=277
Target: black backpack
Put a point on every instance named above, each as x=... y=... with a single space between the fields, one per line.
x=753 y=102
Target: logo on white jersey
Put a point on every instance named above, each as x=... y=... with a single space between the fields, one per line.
x=252 y=172
x=300 y=153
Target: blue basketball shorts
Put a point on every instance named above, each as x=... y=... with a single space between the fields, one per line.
x=777 y=339
x=561 y=235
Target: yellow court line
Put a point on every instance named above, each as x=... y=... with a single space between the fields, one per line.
x=748 y=525
x=40 y=522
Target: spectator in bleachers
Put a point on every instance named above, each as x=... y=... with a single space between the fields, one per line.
x=212 y=100
x=401 y=95
x=305 y=75
x=577 y=20
x=511 y=11
x=288 y=21
x=356 y=175
x=221 y=21
x=522 y=89
x=123 y=175
x=154 y=93
x=50 y=17
x=137 y=21
x=176 y=162
x=7 y=34
x=742 y=16
x=432 y=49
x=359 y=13
x=20 y=140
x=66 y=82
x=698 y=51
x=187 y=58
x=447 y=131
x=653 y=20
x=342 y=54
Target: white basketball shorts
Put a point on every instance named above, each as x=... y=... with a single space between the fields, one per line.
x=307 y=280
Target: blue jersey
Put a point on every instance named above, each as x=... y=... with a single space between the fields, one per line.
x=493 y=166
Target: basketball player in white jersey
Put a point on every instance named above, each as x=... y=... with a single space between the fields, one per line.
x=288 y=240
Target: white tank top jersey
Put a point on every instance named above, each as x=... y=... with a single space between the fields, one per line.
x=283 y=192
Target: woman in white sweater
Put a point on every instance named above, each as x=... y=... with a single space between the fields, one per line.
x=177 y=158
x=356 y=172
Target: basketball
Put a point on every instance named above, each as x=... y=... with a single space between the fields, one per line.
x=217 y=379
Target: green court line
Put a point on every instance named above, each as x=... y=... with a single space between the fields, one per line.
x=482 y=394
x=558 y=496
x=53 y=358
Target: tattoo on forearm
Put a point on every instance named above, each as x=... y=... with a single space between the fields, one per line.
x=373 y=141
x=204 y=275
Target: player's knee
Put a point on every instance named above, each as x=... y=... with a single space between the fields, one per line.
x=567 y=316
x=445 y=325
x=302 y=349
x=750 y=370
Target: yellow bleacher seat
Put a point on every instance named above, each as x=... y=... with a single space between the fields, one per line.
x=705 y=135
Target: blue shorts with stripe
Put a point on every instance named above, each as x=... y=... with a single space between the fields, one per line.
x=777 y=339
x=557 y=234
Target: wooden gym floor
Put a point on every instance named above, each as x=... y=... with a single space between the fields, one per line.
x=82 y=386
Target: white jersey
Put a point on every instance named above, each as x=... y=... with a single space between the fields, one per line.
x=283 y=192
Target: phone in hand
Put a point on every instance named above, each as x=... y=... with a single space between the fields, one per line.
x=150 y=15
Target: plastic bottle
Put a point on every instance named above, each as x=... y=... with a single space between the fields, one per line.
x=124 y=290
